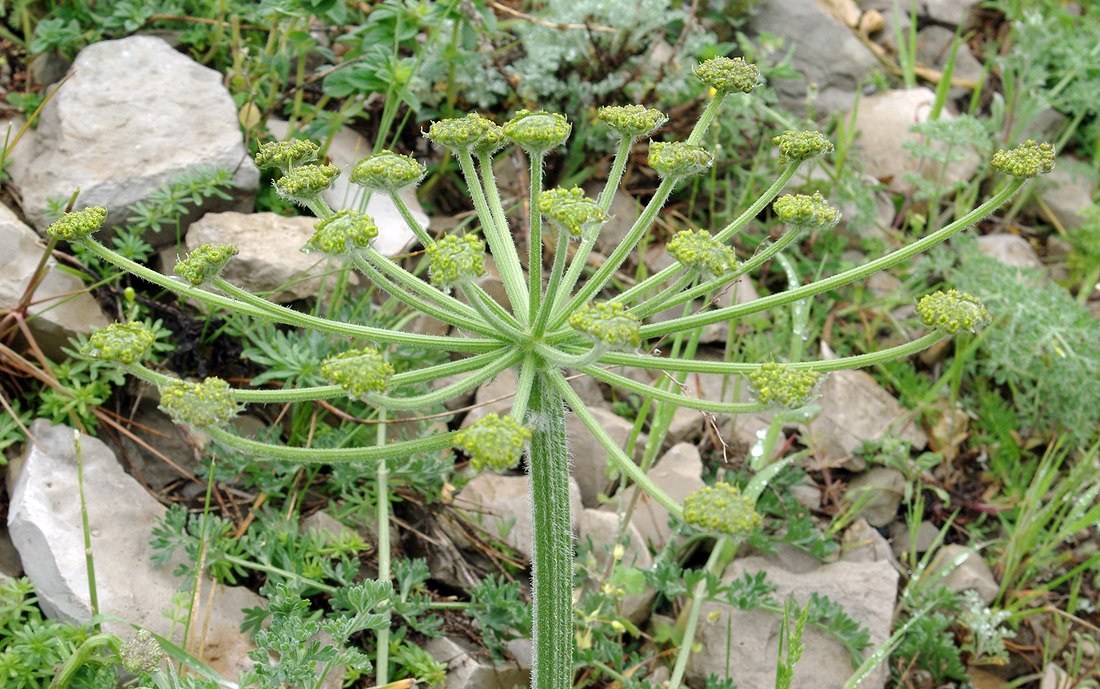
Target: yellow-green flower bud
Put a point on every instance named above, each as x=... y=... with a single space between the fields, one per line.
x=305 y=183
x=123 y=342
x=700 y=252
x=209 y=403
x=495 y=442
x=361 y=372
x=801 y=146
x=141 y=653
x=780 y=384
x=608 y=322
x=537 y=132
x=462 y=134
x=286 y=154
x=721 y=508
x=491 y=142
x=455 y=259
x=205 y=262
x=727 y=75
x=570 y=210
x=813 y=212
x=78 y=224
x=343 y=232
x=678 y=159
x=387 y=171
x=632 y=121
x=1029 y=159
x=952 y=311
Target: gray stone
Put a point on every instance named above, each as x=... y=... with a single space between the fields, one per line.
x=271 y=260
x=807 y=494
x=61 y=308
x=601 y=529
x=855 y=408
x=833 y=64
x=946 y=11
x=861 y=543
x=468 y=668
x=865 y=590
x=45 y=525
x=624 y=211
x=493 y=397
x=166 y=452
x=878 y=492
x=590 y=459
x=502 y=504
x=1010 y=249
x=963 y=569
x=10 y=564
x=884 y=122
x=934 y=49
x=926 y=536
x=1068 y=191
x=346 y=149
x=679 y=474
x=125 y=124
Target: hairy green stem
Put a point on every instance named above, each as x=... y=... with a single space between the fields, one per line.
x=719 y=557
x=339 y=455
x=534 y=239
x=552 y=556
x=86 y=530
x=382 y=505
x=422 y=236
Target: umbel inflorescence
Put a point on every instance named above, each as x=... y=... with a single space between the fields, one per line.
x=556 y=316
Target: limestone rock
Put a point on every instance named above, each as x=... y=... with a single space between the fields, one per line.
x=126 y=123
x=884 y=122
x=590 y=460
x=271 y=260
x=865 y=590
x=878 y=492
x=679 y=473
x=965 y=569
x=834 y=63
x=952 y=12
x=45 y=524
x=61 y=308
x=861 y=543
x=470 y=669
x=493 y=397
x=1068 y=190
x=1010 y=249
x=934 y=49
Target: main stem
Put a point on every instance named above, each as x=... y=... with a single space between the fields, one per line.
x=552 y=576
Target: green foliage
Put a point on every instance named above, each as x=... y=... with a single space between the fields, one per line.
x=500 y=612
x=929 y=646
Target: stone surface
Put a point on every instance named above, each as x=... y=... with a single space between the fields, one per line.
x=624 y=211
x=271 y=260
x=878 y=492
x=1011 y=250
x=159 y=433
x=61 y=308
x=965 y=569
x=861 y=543
x=470 y=669
x=855 y=408
x=601 y=530
x=590 y=460
x=884 y=122
x=926 y=536
x=346 y=149
x=45 y=524
x=502 y=504
x=865 y=590
x=679 y=473
x=946 y=11
x=1068 y=190
x=833 y=64
x=493 y=397
x=934 y=49
x=126 y=123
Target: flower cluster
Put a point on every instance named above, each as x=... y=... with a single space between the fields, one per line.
x=700 y=252
x=1029 y=159
x=361 y=372
x=455 y=259
x=285 y=154
x=608 y=322
x=470 y=134
x=812 y=212
x=205 y=262
x=209 y=403
x=721 y=508
x=677 y=159
x=343 y=232
x=538 y=132
x=726 y=75
x=799 y=146
x=125 y=343
x=388 y=171
x=493 y=441
x=952 y=311
x=304 y=183
x=78 y=224
x=780 y=384
x=570 y=210
x=632 y=121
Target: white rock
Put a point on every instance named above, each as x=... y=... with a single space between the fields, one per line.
x=601 y=529
x=45 y=524
x=865 y=590
x=134 y=115
x=679 y=473
x=946 y=11
x=1011 y=250
x=347 y=149
x=468 y=669
x=493 y=397
x=961 y=568
x=271 y=260
x=934 y=49
x=590 y=459
x=884 y=122
x=61 y=308
x=878 y=492
x=1068 y=190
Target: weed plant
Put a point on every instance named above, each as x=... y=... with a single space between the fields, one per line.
x=553 y=319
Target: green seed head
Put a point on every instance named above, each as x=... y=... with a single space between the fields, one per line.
x=799 y=146
x=361 y=372
x=721 y=508
x=806 y=211
x=387 y=171
x=952 y=311
x=727 y=75
x=608 y=322
x=632 y=121
x=779 y=384
x=570 y=210
x=677 y=159
x=344 y=232
x=141 y=653
x=122 y=342
x=205 y=262
x=495 y=442
x=455 y=259
x=462 y=134
x=700 y=252
x=78 y=224
x=1029 y=159
x=305 y=183
x=537 y=132
x=209 y=403
x=286 y=154
x=491 y=142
